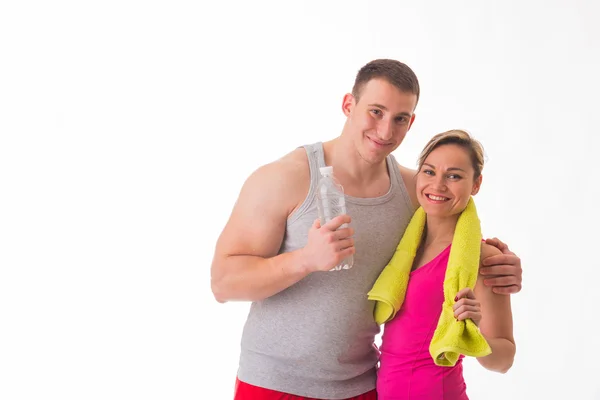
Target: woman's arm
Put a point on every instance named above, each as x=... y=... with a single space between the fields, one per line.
x=496 y=322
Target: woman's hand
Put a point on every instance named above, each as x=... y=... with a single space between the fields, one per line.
x=467 y=306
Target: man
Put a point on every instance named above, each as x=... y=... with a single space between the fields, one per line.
x=310 y=332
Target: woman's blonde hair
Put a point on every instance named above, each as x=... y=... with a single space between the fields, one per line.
x=460 y=138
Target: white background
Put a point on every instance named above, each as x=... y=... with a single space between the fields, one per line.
x=127 y=129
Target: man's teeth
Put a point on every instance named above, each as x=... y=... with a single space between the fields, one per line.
x=439 y=198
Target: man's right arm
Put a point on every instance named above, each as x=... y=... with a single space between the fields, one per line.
x=245 y=264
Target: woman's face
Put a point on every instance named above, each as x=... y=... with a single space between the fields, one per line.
x=445 y=181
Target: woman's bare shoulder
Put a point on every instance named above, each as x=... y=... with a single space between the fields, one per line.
x=488 y=250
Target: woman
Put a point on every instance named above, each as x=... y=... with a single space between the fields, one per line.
x=449 y=174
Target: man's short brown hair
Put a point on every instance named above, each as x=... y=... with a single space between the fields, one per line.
x=398 y=74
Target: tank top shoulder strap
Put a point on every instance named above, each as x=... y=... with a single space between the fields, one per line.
x=397 y=181
x=316 y=160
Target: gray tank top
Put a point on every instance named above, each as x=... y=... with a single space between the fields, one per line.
x=316 y=338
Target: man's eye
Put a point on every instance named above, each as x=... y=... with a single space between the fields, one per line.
x=376 y=112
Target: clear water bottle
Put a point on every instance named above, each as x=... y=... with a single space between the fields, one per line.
x=331 y=203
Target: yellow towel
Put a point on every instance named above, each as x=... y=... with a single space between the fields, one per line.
x=451 y=337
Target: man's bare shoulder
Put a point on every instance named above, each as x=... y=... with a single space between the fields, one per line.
x=409 y=178
x=407 y=171
x=288 y=170
x=285 y=180
x=295 y=160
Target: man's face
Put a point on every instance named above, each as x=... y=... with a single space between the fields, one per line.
x=380 y=119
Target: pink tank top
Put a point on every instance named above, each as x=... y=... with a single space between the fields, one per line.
x=407 y=370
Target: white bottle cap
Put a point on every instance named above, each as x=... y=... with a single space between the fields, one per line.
x=326 y=170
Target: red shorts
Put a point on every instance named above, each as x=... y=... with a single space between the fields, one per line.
x=245 y=391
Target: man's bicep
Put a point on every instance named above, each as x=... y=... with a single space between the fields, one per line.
x=257 y=223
